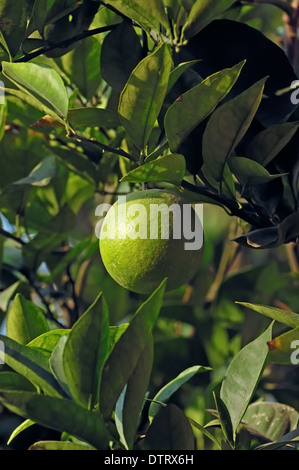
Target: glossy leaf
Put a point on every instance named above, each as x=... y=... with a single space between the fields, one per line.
x=126 y=352
x=178 y=71
x=242 y=377
x=59 y=414
x=121 y=52
x=226 y=127
x=31 y=364
x=130 y=403
x=25 y=320
x=285 y=317
x=182 y=117
x=202 y=13
x=41 y=83
x=57 y=365
x=171 y=387
x=169 y=168
x=170 y=430
x=143 y=95
x=85 y=353
x=149 y=15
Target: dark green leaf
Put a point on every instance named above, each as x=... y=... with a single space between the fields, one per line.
x=59 y=414
x=170 y=430
x=226 y=127
x=225 y=420
x=249 y=172
x=13 y=23
x=59 y=445
x=143 y=95
x=121 y=52
x=14 y=381
x=285 y=317
x=93 y=117
x=129 y=405
x=85 y=353
x=243 y=375
x=32 y=364
x=182 y=117
x=126 y=352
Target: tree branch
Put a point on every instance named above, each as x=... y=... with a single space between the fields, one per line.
x=65 y=43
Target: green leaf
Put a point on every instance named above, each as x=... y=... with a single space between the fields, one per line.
x=169 y=168
x=25 y=320
x=85 y=353
x=171 y=387
x=31 y=364
x=202 y=13
x=59 y=414
x=268 y=143
x=225 y=420
x=121 y=52
x=149 y=15
x=93 y=117
x=47 y=342
x=3 y=113
x=249 y=172
x=178 y=71
x=272 y=420
x=242 y=377
x=284 y=349
x=59 y=445
x=285 y=317
x=82 y=66
x=13 y=23
x=56 y=364
x=22 y=427
x=182 y=116
x=226 y=127
x=129 y=405
x=126 y=352
x=170 y=430
x=143 y=95
x=13 y=381
x=42 y=83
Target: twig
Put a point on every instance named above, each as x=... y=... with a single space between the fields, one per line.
x=104 y=147
x=7 y=234
x=65 y=43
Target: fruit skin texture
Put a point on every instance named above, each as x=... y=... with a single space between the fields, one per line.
x=140 y=265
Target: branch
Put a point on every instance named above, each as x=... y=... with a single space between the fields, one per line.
x=66 y=43
x=7 y=234
x=251 y=218
x=104 y=147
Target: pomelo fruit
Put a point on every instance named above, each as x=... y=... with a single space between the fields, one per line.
x=144 y=238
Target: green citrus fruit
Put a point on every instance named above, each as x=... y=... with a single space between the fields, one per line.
x=144 y=239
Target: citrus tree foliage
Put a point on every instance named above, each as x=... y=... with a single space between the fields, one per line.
x=101 y=98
